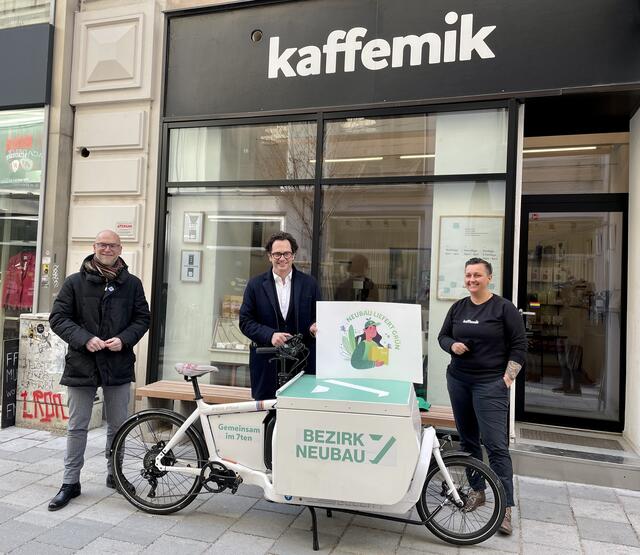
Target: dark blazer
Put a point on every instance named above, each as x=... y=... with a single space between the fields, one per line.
x=259 y=321
x=84 y=309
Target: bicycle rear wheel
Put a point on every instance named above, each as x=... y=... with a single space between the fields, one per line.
x=450 y=522
x=137 y=477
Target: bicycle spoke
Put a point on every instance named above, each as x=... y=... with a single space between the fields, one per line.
x=446 y=515
x=136 y=464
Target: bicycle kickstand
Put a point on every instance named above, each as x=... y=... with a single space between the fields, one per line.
x=314 y=528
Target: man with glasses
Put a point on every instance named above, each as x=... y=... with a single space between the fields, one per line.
x=277 y=305
x=101 y=312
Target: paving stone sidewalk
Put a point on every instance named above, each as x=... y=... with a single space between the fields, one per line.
x=551 y=517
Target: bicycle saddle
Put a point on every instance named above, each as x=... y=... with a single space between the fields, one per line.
x=193 y=369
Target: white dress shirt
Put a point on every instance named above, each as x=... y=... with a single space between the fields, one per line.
x=283 y=290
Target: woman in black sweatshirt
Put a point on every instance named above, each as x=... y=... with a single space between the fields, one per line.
x=484 y=334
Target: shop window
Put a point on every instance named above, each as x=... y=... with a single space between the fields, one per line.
x=215 y=244
x=577 y=164
x=15 y=13
x=388 y=244
x=243 y=152
x=21 y=163
x=376 y=242
x=455 y=143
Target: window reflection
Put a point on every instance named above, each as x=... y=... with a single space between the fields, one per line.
x=585 y=164
x=16 y=13
x=422 y=144
x=202 y=314
x=381 y=243
x=243 y=152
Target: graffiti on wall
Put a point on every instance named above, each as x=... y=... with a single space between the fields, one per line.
x=46 y=406
x=41 y=363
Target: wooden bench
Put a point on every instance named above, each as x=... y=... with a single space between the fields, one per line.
x=436 y=416
x=183 y=391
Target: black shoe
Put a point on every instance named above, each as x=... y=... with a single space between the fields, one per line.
x=111 y=483
x=67 y=493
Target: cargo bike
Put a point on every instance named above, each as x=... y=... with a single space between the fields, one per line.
x=349 y=445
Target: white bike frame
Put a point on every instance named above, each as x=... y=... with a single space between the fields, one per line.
x=429 y=446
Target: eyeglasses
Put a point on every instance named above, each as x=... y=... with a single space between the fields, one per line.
x=105 y=246
x=278 y=255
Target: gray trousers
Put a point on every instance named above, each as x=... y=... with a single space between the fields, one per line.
x=116 y=406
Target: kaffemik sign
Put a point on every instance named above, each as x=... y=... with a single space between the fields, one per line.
x=454 y=45
x=260 y=57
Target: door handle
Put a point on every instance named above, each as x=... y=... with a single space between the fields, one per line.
x=523 y=313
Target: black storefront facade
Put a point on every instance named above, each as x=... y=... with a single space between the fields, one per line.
x=25 y=64
x=395 y=140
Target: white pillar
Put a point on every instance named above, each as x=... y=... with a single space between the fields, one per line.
x=632 y=403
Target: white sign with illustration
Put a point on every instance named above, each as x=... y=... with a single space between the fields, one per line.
x=369 y=340
x=462 y=238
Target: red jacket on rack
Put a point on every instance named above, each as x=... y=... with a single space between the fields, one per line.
x=17 y=289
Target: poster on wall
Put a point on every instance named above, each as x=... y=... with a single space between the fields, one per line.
x=9 y=382
x=369 y=340
x=190 y=266
x=462 y=238
x=192 y=227
x=21 y=154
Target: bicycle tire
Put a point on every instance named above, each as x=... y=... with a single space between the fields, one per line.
x=133 y=456
x=450 y=523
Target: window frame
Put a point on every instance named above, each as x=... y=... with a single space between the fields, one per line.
x=158 y=293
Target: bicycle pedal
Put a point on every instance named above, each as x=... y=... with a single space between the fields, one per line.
x=236 y=484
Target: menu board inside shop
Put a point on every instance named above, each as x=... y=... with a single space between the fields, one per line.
x=462 y=238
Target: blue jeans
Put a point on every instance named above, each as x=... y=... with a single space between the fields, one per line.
x=481 y=410
x=116 y=407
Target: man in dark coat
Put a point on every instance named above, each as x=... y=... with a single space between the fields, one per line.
x=277 y=305
x=101 y=312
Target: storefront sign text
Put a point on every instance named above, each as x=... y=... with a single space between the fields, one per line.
x=379 y=53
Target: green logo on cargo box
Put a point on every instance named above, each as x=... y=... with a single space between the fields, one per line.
x=368 y=339
x=339 y=446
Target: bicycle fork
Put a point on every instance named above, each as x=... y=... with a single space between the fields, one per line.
x=451 y=491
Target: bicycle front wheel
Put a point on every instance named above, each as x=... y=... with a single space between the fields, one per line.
x=137 y=477
x=455 y=524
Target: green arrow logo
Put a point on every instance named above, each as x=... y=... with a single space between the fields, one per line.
x=385 y=448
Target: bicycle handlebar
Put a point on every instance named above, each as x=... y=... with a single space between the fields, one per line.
x=293 y=350
x=290 y=348
x=266 y=350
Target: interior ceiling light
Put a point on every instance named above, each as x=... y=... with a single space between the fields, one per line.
x=362 y=159
x=412 y=156
x=558 y=149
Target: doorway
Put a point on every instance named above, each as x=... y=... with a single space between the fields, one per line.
x=572 y=287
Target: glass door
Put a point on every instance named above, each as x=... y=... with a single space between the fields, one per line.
x=572 y=288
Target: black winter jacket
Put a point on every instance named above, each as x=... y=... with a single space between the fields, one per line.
x=87 y=307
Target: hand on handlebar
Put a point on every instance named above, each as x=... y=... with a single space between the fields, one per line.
x=278 y=339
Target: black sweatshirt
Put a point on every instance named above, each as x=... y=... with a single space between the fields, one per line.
x=494 y=333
